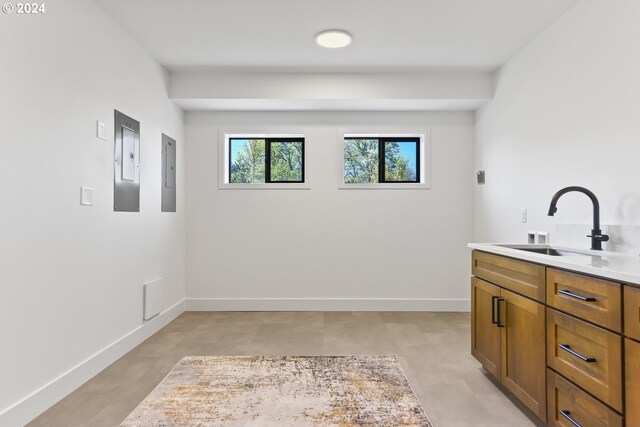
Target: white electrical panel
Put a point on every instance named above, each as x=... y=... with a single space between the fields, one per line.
x=126 y=163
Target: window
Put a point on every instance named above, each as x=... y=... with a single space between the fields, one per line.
x=372 y=160
x=262 y=160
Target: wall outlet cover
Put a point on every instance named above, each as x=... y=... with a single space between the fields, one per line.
x=86 y=196
x=542 y=237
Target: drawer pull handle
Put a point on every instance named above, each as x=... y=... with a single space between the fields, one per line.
x=567 y=348
x=567 y=415
x=576 y=296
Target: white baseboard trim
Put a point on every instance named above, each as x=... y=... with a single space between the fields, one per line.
x=327 y=304
x=40 y=400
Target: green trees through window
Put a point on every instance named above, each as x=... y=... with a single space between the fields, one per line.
x=286 y=161
x=400 y=161
x=266 y=160
x=247 y=161
x=365 y=158
x=360 y=161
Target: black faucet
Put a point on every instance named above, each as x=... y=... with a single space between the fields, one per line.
x=596 y=234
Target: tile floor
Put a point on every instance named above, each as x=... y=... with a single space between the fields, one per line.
x=433 y=348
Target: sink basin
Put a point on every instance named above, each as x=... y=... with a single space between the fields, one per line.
x=545 y=250
x=551 y=251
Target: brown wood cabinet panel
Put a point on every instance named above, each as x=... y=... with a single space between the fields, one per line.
x=596 y=300
x=632 y=372
x=523 y=350
x=522 y=277
x=632 y=312
x=570 y=341
x=485 y=335
x=567 y=401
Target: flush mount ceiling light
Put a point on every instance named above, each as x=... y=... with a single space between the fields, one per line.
x=333 y=39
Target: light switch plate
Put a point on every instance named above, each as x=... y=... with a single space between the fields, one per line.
x=101 y=130
x=86 y=196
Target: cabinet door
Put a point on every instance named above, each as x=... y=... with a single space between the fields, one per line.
x=485 y=335
x=632 y=350
x=523 y=350
x=632 y=312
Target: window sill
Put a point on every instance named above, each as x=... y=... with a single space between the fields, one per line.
x=282 y=186
x=388 y=186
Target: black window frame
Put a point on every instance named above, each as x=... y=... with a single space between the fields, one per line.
x=267 y=158
x=382 y=140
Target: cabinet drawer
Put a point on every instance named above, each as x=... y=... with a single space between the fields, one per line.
x=632 y=369
x=632 y=312
x=569 y=406
x=589 y=356
x=521 y=277
x=595 y=300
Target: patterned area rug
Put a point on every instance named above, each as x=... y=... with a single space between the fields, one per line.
x=282 y=391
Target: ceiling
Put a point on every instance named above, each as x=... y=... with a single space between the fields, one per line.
x=279 y=34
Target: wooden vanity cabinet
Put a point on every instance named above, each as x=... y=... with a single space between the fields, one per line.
x=566 y=344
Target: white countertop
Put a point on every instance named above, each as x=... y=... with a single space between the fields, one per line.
x=610 y=265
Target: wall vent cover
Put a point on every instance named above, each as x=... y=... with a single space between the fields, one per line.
x=152 y=298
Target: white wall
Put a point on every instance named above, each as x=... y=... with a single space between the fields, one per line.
x=326 y=248
x=71 y=277
x=566 y=112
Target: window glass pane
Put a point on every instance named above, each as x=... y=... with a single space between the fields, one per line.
x=247 y=161
x=360 y=161
x=286 y=161
x=400 y=161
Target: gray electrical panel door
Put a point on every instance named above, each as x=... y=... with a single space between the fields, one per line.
x=126 y=189
x=168 y=174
